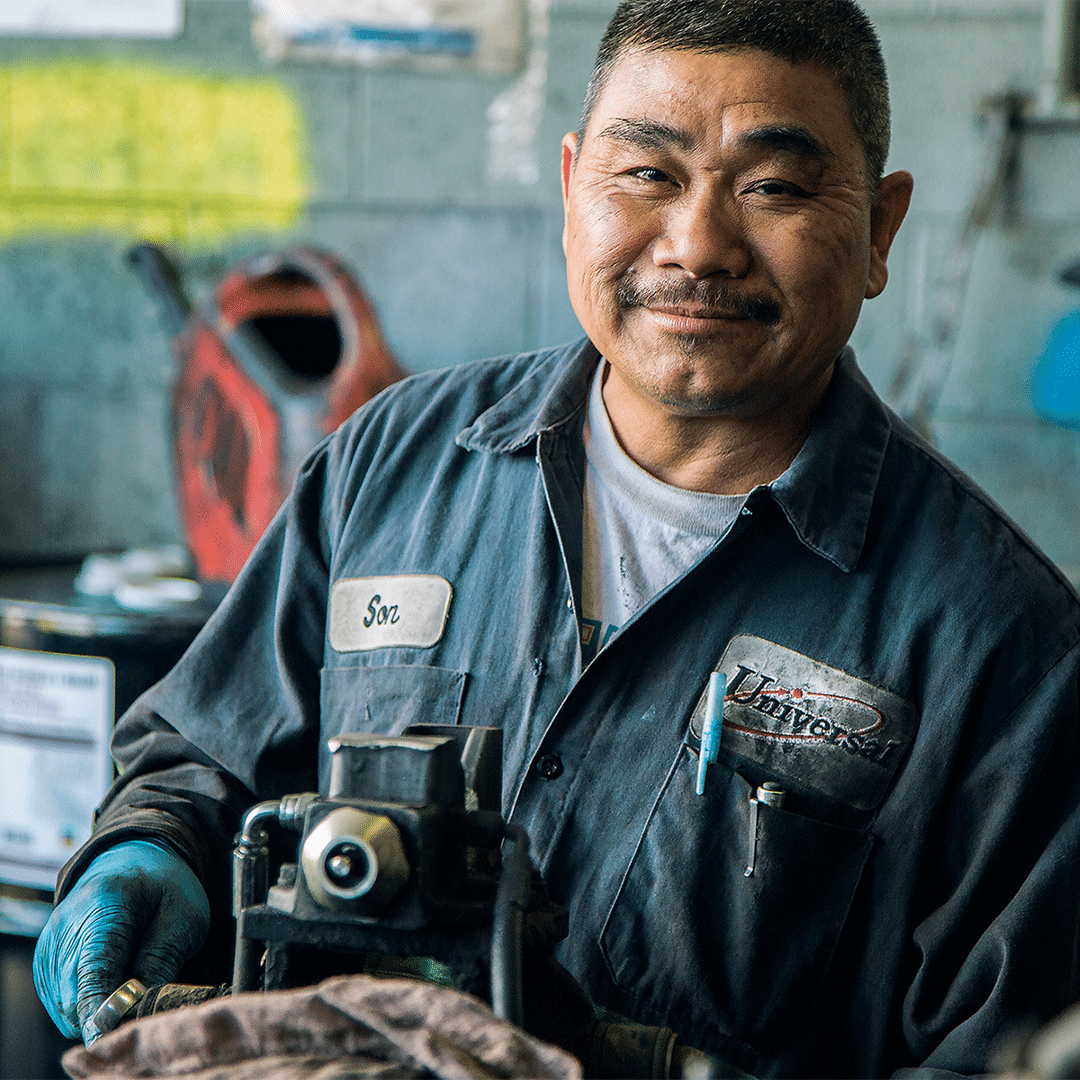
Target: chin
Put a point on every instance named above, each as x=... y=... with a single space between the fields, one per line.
x=717 y=402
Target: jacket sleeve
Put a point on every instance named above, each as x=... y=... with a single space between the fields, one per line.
x=996 y=947
x=237 y=720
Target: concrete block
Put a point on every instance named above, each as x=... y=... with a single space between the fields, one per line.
x=555 y=318
x=107 y=481
x=138 y=483
x=575 y=35
x=938 y=77
x=1014 y=297
x=881 y=336
x=217 y=33
x=76 y=315
x=449 y=285
x=73 y=484
x=424 y=138
x=331 y=121
x=1049 y=167
x=993 y=324
x=599 y=9
x=21 y=466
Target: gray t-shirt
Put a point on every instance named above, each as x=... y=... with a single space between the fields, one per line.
x=640 y=534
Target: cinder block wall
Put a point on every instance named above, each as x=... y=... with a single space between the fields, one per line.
x=945 y=58
x=462 y=266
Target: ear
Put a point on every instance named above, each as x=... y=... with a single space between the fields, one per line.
x=569 y=148
x=893 y=197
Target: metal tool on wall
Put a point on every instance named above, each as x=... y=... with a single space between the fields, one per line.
x=1054 y=107
x=283 y=350
x=924 y=369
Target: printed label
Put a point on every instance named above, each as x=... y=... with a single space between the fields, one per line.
x=403 y=610
x=801 y=718
x=56 y=714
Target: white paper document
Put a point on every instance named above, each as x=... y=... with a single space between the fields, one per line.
x=56 y=716
x=92 y=18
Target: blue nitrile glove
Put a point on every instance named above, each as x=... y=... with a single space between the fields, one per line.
x=138 y=912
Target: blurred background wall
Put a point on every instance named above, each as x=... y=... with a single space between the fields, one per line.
x=393 y=170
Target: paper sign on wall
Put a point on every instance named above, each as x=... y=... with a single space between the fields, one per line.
x=92 y=18
x=56 y=716
x=426 y=34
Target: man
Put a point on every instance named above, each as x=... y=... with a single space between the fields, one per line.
x=571 y=541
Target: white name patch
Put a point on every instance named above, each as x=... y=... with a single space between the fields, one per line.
x=403 y=610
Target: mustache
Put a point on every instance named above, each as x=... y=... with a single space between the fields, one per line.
x=716 y=298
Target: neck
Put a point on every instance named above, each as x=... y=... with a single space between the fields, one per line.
x=722 y=454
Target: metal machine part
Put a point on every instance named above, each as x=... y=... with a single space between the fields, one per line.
x=408 y=860
x=400 y=858
x=354 y=861
x=641 y=1052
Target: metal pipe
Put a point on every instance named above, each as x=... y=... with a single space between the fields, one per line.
x=1057 y=84
x=251 y=861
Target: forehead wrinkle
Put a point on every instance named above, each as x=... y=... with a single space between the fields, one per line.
x=647 y=134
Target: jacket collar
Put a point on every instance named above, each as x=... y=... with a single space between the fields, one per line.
x=553 y=390
x=826 y=493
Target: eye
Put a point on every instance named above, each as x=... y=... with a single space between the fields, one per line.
x=776 y=187
x=649 y=174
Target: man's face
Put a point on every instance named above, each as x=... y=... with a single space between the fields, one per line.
x=718 y=234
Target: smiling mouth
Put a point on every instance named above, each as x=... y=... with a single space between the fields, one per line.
x=697 y=324
x=694 y=307
x=694 y=314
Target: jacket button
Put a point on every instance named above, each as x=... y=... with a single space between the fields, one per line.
x=549 y=766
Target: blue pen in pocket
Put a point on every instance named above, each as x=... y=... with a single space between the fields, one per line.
x=712 y=727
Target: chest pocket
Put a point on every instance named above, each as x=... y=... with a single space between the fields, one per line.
x=729 y=954
x=386 y=700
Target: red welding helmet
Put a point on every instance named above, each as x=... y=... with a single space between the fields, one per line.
x=285 y=348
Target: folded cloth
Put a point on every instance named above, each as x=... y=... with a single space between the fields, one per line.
x=354 y=1026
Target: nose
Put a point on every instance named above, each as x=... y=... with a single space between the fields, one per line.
x=703 y=237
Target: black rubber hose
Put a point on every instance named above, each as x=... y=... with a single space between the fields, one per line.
x=508 y=926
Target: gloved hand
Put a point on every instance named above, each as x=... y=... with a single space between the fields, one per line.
x=138 y=911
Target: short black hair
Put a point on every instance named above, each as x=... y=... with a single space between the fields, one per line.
x=834 y=34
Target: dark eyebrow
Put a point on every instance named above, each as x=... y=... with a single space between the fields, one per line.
x=650 y=134
x=797 y=141
x=778 y=138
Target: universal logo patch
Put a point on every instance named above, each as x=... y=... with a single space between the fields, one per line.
x=800 y=718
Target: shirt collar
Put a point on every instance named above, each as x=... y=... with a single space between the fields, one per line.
x=552 y=391
x=826 y=493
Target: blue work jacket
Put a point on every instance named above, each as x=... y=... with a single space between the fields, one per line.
x=901 y=665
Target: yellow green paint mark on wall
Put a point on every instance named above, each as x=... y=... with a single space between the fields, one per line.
x=147 y=152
